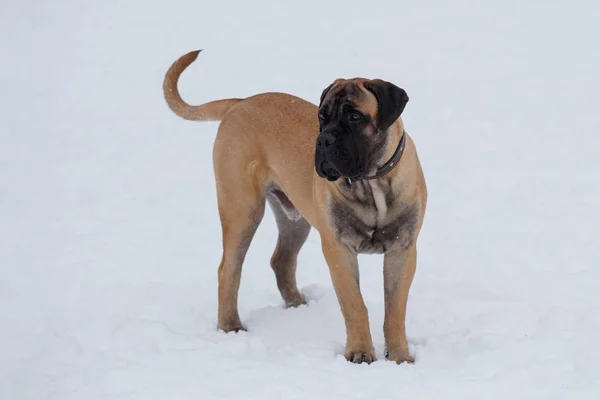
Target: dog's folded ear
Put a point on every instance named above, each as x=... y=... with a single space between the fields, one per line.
x=391 y=101
x=325 y=94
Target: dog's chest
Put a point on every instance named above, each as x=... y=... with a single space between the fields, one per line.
x=370 y=220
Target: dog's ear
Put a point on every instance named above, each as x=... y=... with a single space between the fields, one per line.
x=391 y=101
x=325 y=93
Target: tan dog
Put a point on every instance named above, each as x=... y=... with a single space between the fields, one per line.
x=346 y=168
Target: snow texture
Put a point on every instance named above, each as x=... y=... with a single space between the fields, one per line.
x=110 y=237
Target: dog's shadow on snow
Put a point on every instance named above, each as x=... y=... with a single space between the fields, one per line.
x=319 y=323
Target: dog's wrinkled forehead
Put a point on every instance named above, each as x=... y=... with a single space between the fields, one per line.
x=347 y=92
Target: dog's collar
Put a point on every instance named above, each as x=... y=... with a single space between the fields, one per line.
x=388 y=166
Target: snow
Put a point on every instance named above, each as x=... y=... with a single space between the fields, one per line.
x=110 y=239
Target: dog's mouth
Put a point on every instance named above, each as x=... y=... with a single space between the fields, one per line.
x=335 y=160
x=327 y=171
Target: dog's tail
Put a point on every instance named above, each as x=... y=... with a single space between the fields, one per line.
x=212 y=111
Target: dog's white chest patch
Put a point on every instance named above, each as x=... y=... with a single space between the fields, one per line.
x=379 y=199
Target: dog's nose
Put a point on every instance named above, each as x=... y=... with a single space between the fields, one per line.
x=325 y=140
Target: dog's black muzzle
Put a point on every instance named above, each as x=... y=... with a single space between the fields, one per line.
x=322 y=165
x=331 y=157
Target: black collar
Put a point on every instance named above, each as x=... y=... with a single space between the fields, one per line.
x=388 y=166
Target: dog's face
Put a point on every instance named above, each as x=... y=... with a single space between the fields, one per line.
x=354 y=118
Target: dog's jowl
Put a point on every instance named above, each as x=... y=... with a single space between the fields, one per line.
x=346 y=167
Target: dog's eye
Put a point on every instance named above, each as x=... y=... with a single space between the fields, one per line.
x=355 y=116
x=321 y=118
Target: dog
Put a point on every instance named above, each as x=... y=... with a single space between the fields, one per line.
x=346 y=167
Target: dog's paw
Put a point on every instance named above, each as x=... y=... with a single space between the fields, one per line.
x=295 y=300
x=360 y=356
x=234 y=326
x=399 y=356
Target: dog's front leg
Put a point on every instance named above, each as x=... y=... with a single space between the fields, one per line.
x=398 y=271
x=343 y=267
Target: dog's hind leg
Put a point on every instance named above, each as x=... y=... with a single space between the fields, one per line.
x=241 y=209
x=293 y=231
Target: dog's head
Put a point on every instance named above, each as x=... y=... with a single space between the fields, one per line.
x=356 y=117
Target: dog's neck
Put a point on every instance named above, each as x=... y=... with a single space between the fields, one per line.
x=379 y=189
x=395 y=134
x=369 y=198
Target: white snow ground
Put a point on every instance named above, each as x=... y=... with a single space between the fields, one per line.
x=109 y=234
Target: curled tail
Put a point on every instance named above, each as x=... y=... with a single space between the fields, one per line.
x=212 y=111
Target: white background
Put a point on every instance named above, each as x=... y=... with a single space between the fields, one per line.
x=110 y=238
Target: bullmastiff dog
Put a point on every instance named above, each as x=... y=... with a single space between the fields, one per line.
x=347 y=168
